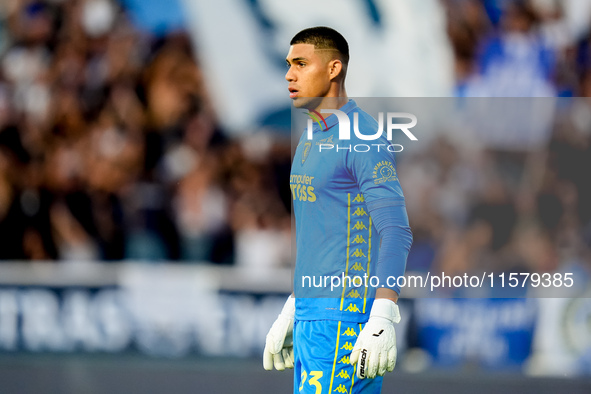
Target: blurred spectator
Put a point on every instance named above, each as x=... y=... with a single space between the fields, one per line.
x=516 y=62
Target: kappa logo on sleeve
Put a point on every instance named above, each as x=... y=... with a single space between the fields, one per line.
x=384 y=172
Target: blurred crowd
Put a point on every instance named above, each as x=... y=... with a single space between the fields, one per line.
x=520 y=210
x=496 y=211
x=524 y=48
x=110 y=149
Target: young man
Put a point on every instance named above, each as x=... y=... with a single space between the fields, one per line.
x=351 y=222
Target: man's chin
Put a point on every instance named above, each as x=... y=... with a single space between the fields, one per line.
x=308 y=103
x=299 y=102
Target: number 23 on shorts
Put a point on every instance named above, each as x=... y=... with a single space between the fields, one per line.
x=314 y=376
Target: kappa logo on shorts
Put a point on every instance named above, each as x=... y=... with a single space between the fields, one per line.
x=352 y=308
x=347 y=346
x=345 y=360
x=350 y=332
x=341 y=389
x=357 y=267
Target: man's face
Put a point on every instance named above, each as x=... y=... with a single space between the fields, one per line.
x=308 y=75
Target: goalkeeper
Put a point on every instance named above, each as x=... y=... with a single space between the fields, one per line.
x=350 y=219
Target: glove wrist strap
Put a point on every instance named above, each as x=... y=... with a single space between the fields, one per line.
x=386 y=309
x=289 y=308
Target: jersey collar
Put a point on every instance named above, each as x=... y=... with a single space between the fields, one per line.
x=332 y=119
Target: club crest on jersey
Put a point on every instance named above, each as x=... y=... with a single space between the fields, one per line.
x=306 y=151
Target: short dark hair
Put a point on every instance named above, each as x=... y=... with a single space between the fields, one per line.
x=323 y=37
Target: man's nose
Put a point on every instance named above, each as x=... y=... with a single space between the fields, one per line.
x=289 y=75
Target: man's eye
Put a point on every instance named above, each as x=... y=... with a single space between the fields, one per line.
x=302 y=64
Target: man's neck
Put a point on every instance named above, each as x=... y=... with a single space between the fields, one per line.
x=332 y=103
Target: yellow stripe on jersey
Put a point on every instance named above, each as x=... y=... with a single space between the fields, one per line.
x=368 y=262
x=348 y=245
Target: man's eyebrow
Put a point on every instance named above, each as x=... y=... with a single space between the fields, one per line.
x=296 y=59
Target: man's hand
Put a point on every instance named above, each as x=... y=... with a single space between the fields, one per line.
x=279 y=344
x=375 y=349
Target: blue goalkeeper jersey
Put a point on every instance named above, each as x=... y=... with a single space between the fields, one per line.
x=336 y=240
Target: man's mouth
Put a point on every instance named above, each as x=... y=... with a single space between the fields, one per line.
x=293 y=93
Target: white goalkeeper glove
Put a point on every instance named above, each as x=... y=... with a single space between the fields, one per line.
x=279 y=344
x=375 y=349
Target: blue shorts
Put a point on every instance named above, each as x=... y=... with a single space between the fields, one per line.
x=322 y=349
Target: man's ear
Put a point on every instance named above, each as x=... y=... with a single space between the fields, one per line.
x=335 y=68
